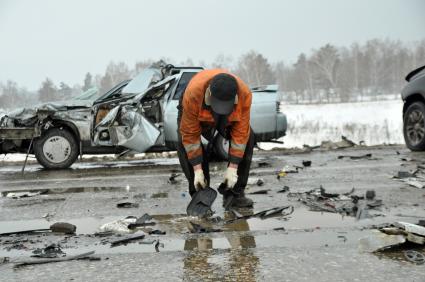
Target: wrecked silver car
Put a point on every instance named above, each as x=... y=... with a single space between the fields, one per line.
x=136 y=115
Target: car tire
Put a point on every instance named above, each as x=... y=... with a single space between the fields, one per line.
x=221 y=148
x=414 y=126
x=56 y=149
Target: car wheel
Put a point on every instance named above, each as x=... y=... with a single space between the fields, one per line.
x=414 y=126
x=56 y=149
x=221 y=148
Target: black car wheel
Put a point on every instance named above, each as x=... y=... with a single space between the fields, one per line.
x=56 y=149
x=414 y=126
x=221 y=148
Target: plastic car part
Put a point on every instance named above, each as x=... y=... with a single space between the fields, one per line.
x=201 y=202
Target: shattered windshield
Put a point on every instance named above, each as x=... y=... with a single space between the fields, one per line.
x=142 y=81
x=90 y=95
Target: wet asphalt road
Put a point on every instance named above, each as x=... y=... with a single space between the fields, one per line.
x=306 y=246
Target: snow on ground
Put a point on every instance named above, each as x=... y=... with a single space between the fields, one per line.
x=376 y=122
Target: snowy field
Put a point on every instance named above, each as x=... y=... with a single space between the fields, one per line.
x=378 y=122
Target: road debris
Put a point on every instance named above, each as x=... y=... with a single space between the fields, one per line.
x=158 y=245
x=201 y=203
x=287 y=169
x=25 y=232
x=344 y=143
x=345 y=203
x=127 y=205
x=49 y=260
x=4 y=260
x=414 y=256
x=410 y=227
x=136 y=236
x=365 y=156
x=118 y=226
x=284 y=189
x=260 y=192
x=306 y=163
x=144 y=220
x=157 y=232
x=378 y=241
x=63 y=227
x=172 y=179
x=344 y=238
x=51 y=251
x=255 y=181
x=405 y=174
x=26 y=194
x=264 y=164
x=370 y=194
x=273 y=212
x=414 y=178
x=392 y=235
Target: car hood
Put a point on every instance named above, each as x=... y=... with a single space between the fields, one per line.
x=27 y=113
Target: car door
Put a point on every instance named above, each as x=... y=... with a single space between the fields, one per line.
x=171 y=111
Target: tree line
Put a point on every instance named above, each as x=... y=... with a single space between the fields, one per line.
x=368 y=71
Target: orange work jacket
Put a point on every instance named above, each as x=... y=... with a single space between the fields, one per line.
x=196 y=115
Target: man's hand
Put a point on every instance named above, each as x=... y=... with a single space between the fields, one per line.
x=199 y=181
x=231 y=175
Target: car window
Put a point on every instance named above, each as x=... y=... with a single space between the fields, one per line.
x=181 y=87
x=142 y=81
x=114 y=92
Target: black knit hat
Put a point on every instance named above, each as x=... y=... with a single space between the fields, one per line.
x=224 y=88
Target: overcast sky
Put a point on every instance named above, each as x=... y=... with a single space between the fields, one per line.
x=65 y=39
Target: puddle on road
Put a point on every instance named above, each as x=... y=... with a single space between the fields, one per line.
x=237 y=234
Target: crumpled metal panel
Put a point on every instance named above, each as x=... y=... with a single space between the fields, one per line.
x=137 y=133
x=109 y=118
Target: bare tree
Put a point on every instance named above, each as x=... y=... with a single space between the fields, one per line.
x=88 y=82
x=326 y=60
x=48 y=91
x=255 y=69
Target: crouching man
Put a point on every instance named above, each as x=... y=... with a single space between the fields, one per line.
x=216 y=102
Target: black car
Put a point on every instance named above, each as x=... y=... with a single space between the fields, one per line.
x=413 y=95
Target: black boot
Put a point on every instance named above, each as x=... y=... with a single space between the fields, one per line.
x=241 y=201
x=237 y=201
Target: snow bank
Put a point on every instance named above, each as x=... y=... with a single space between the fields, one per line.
x=375 y=123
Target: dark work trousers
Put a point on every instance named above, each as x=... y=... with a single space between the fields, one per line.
x=243 y=167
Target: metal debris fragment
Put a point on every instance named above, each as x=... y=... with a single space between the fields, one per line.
x=284 y=189
x=127 y=205
x=51 y=251
x=172 y=179
x=47 y=260
x=136 y=236
x=365 y=156
x=260 y=192
x=306 y=163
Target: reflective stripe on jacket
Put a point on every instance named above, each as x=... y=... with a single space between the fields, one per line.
x=196 y=115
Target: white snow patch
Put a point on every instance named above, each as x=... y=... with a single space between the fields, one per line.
x=375 y=122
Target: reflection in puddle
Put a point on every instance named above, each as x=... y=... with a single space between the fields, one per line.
x=237 y=264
